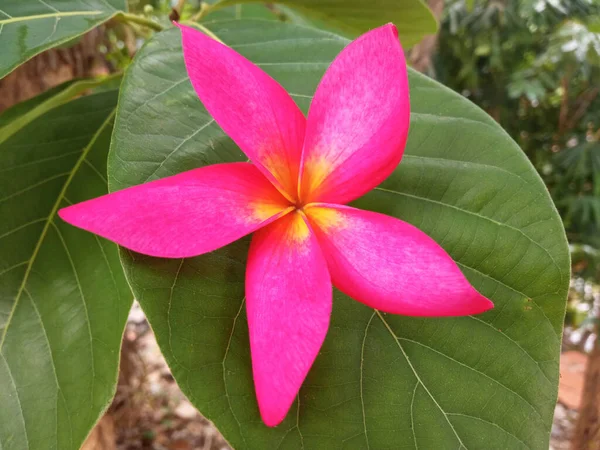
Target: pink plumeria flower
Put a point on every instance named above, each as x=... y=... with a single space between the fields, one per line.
x=292 y=194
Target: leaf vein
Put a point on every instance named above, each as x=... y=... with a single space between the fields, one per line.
x=397 y=340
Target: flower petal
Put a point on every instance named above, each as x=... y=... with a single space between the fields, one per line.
x=251 y=107
x=391 y=265
x=358 y=120
x=184 y=215
x=288 y=294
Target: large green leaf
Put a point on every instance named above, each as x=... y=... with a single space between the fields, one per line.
x=63 y=296
x=28 y=27
x=241 y=11
x=353 y=17
x=381 y=381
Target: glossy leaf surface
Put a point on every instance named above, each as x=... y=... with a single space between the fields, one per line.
x=28 y=27
x=380 y=381
x=63 y=297
x=354 y=17
x=241 y=11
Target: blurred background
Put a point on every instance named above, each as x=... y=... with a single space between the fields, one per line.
x=533 y=65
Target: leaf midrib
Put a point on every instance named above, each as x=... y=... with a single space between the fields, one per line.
x=376 y=312
x=51 y=15
x=420 y=381
x=48 y=222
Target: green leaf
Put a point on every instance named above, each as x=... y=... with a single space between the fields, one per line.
x=240 y=11
x=63 y=296
x=28 y=27
x=21 y=115
x=381 y=381
x=353 y=17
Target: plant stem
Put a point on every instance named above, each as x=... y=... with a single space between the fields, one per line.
x=132 y=18
x=564 y=104
x=587 y=429
x=584 y=102
x=278 y=12
x=204 y=10
x=179 y=6
x=177 y=11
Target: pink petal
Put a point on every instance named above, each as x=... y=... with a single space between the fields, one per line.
x=358 y=120
x=251 y=107
x=391 y=265
x=288 y=293
x=184 y=215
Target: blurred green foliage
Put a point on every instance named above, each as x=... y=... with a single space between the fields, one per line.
x=534 y=65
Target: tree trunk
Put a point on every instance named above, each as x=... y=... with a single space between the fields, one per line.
x=54 y=67
x=587 y=429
